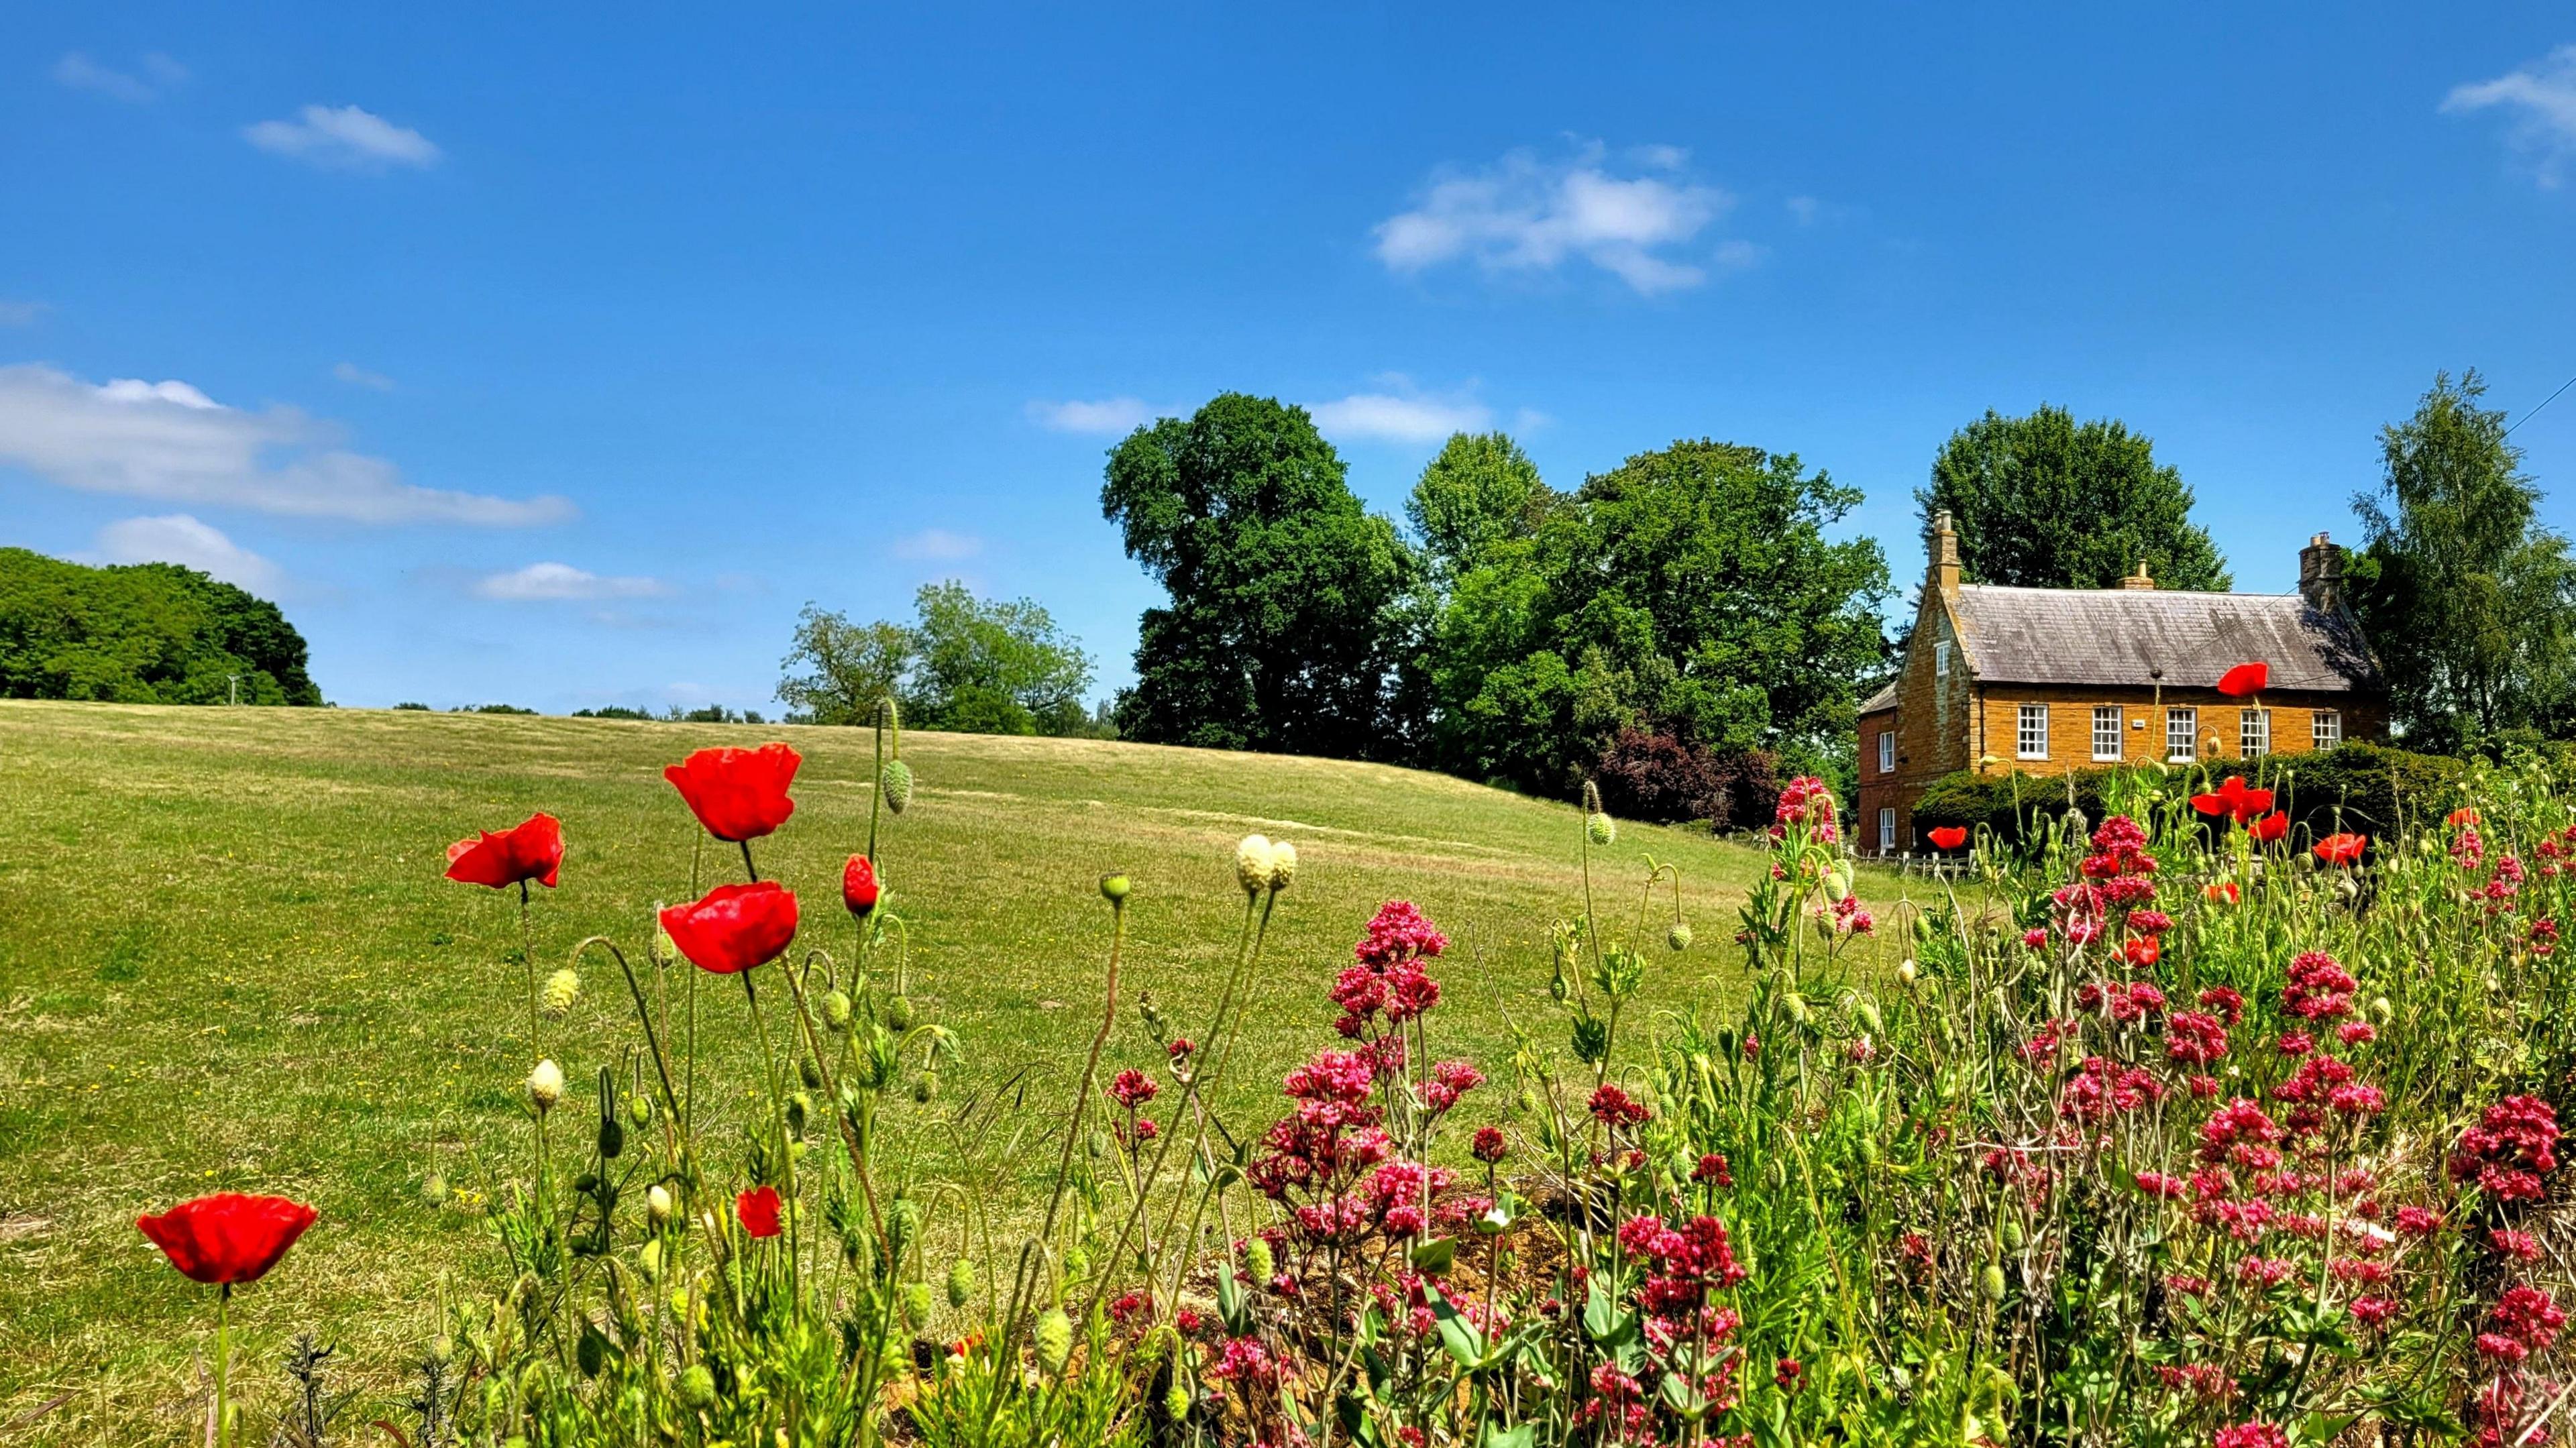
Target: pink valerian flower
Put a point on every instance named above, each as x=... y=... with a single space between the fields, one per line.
x=2233 y=1128
x=2035 y=939
x=2253 y=1435
x=2133 y=1001
x=2527 y=1318
x=1132 y=1307
x=1132 y=1089
x=2194 y=1038
x=2103 y=1088
x=2204 y=1088
x=1613 y=1107
x=1489 y=1145
x=2203 y=1380
x=2264 y=1272
x=1389 y=976
x=2229 y=1005
x=1449 y=1081
x=1850 y=919
x=2161 y=1185
x=2045 y=1043
x=1332 y=1136
x=2514 y=1244
x=2505 y=1154
x=2318 y=989
x=1244 y=1360
x=1807 y=801
x=2418 y=1221
x=1712 y=1167
x=2295 y=1043
x=2373 y=1312
x=2356 y=1033
x=1138 y=1136
x=2467 y=850
x=1180 y=1049
x=2543 y=936
x=1398 y=933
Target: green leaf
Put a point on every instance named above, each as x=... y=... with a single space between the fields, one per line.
x=1524 y=1435
x=1433 y=1257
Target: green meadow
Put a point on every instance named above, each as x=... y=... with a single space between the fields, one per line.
x=228 y=960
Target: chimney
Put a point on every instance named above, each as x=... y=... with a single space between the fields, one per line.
x=2321 y=575
x=1945 y=554
x=2139 y=579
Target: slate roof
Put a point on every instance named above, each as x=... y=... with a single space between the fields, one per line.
x=1885 y=698
x=2117 y=636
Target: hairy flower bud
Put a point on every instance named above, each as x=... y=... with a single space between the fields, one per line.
x=925 y=1088
x=916 y=1305
x=1679 y=937
x=1258 y=1260
x=1053 y=1340
x=545 y=1086
x=896 y=780
x=1906 y=970
x=898 y=1013
x=1176 y=1403
x=961 y=1282
x=1114 y=888
x=1991 y=1282
x=1600 y=829
x=657 y=1206
x=1283 y=865
x=561 y=989
x=836 y=1010
x=696 y=1388
x=1252 y=864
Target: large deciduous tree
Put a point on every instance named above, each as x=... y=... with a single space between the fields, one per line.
x=144 y=633
x=966 y=664
x=2468 y=600
x=1287 y=597
x=2046 y=502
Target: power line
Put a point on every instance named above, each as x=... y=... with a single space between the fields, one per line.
x=2544 y=402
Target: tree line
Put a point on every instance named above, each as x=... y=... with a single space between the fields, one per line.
x=142 y=633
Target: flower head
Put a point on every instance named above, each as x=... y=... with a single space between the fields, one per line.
x=529 y=850
x=2234 y=801
x=228 y=1238
x=758 y=1211
x=545 y=1085
x=1948 y=837
x=2244 y=679
x=1252 y=864
x=738 y=794
x=734 y=927
x=859 y=888
x=2340 y=848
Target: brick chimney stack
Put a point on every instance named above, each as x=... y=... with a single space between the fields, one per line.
x=2321 y=574
x=2139 y=579
x=1945 y=554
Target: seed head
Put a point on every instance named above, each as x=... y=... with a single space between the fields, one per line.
x=1252 y=864
x=1283 y=865
x=561 y=989
x=545 y=1086
x=1114 y=888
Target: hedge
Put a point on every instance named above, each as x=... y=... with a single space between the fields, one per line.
x=2367 y=788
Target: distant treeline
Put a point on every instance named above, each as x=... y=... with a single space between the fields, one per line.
x=143 y=633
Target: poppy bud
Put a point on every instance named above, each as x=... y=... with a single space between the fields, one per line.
x=612 y=1138
x=696 y=1388
x=1837 y=885
x=657 y=1205
x=1283 y=865
x=1867 y=1011
x=640 y=1110
x=798 y=1106
x=916 y=1305
x=561 y=990
x=896 y=780
x=898 y=1013
x=810 y=1071
x=1679 y=937
x=1600 y=828
x=1252 y=864
x=650 y=1260
x=1053 y=1340
x=903 y=1224
x=1114 y=888
x=860 y=889
x=836 y=1011
x=591 y=1354
x=1258 y=1260
x=434 y=1190
x=925 y=1088
x=961 y=1282
x=1176 y=1403
x=545 y=1086
x=1991 y=1282
x=1906 y=970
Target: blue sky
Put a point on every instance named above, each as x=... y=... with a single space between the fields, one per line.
x=559 y=361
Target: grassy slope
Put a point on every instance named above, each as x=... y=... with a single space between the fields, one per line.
x=227 y=960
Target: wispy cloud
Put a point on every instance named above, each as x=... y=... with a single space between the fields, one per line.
x=21 y=314
x=2541 y=97
x=179 y=538
x=160 y=72
x=171 y=442
x=357 y=376
x=344 y=138
x=1401 y=413
x=560 y=583
x=939 y=544
x=1805 y=209
x=1634 y=217
x=1108 y=416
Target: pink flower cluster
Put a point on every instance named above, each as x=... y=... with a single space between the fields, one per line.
x=1389 y=976
x=2319 y=989
x=2514 y=1142
x=1809 y=801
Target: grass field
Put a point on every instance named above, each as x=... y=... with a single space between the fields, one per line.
x=228 y=960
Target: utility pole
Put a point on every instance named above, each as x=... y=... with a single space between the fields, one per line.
x=232 y=686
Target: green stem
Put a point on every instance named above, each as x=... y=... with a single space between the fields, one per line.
x=223 y=1362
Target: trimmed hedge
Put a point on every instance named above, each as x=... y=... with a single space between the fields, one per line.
x=2367 y=788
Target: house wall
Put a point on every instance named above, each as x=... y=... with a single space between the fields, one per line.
x=2142 y=736
x=1935 y=721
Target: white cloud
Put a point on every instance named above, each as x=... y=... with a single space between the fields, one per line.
x=1530 y=214
x=345 y=138
x=170 y=442
x=1805 y=209
x=79 y=72
x=939 y=543
x=2542 y=98
x=178 y=538
x=1400 y=415
x=1109 y=415
x=357 y=376
x=20 y=314
x=560 y=582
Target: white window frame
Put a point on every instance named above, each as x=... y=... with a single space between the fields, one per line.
x=2032 y=720
x=2182 y=733
x=1887 y=829
x=2253 y=732
x=2325 y=729
x=2107 y=723
x=1887 y=751
x=1941 y=659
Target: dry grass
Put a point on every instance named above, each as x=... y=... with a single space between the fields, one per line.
x=227 y=960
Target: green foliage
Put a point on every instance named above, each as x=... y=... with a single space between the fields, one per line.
x=1689 y=592
x=1480 y=495
x=2366 y=788
x=966 y=665
x=144 y=633
x=2043 y=502
x=2469 y=601
x=1286 y=614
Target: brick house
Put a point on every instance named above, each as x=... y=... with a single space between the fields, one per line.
x=2047 y=680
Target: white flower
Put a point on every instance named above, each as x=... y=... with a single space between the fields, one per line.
x=1283 y=864
x=546 y=1085
x=1252 y=864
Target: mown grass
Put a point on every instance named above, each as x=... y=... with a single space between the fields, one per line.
x=228 y=961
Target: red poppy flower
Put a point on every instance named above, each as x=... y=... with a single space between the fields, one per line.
x=2464 y=815
x=2223 y=892
x=2234 y=800
x=1949 y=837
x=2142 y=951
x=227 y=1239
x=738 y=794
x=859 y=888
x=2340 y=849
x=2269 y=828
x=2244 y=679
x=735 y=927
x=757 y=1210
x=529 y=851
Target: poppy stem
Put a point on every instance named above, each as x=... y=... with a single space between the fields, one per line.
x=748 y=867
x=778 y=1117
x=223 y=1360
